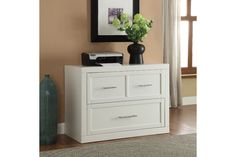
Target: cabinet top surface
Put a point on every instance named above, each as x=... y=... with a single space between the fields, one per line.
x=119 y=67
x=124 y=66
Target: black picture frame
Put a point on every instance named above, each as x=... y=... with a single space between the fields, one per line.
x=95 y=37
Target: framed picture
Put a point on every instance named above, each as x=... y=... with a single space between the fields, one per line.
x=102 y=14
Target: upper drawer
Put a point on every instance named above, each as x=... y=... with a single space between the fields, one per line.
x=145 y=84
x=106 y=87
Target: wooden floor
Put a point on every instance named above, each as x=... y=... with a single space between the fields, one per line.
x=182 y=121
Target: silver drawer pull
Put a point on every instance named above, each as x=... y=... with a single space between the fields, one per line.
x=144 y=85
x=131 y=116
x=112 y=87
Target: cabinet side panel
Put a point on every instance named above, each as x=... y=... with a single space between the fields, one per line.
x=167 y=97
x=73 y=102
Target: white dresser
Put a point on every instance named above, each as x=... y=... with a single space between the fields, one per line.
x=104 y=103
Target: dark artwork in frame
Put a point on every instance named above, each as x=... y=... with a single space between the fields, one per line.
x=103 y=12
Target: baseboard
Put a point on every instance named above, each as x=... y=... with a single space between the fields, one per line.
x=190 y=100
x=61 y=128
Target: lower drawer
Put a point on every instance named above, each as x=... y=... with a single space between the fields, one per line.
x=116 y=117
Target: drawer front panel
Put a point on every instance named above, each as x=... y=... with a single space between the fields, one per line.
x=145 y=84
x=105 y=87
x=108 y=119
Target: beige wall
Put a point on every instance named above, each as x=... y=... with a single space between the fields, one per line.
x=65 y=34
x=189 y=87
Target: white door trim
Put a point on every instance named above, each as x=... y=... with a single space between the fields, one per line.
x=190 y=100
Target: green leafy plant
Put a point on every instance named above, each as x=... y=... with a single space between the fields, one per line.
x=135 y=29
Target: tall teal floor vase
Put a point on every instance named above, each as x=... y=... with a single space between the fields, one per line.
x=48 y=111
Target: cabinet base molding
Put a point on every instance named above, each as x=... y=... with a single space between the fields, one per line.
x=61 y=130
x=120 y=135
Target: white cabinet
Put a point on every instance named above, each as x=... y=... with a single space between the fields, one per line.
x=104 y=103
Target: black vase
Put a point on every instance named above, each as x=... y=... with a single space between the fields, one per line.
x=136 y=51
